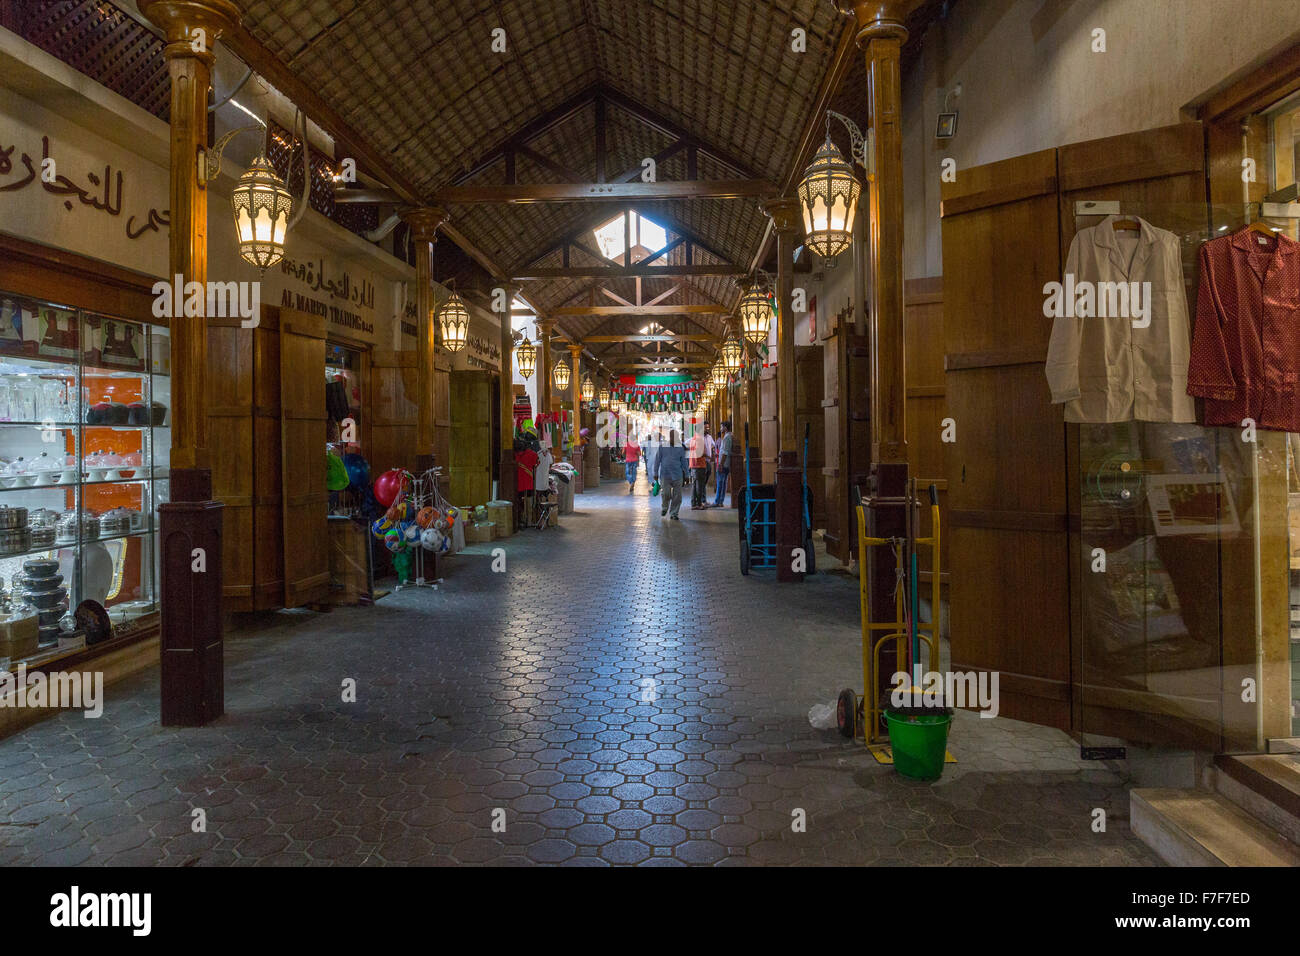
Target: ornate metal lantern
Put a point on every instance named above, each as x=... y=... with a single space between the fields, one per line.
x=718 y=375
x=732 y=355
x=588 y=389
x=560 y=375
x=602 y=398
x=453 y=322
x=262 y=206
x=829 y=197
x=756 y=315
x=526 y=357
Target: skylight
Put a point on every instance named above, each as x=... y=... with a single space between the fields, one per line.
x=647 y=237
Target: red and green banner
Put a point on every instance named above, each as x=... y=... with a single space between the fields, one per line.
x=674 y=397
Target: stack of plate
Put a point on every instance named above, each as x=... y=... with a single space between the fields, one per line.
x=43 y=589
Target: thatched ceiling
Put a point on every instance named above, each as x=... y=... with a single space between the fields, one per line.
x=418 y=79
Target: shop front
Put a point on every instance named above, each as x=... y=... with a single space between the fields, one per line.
x=1146 y=294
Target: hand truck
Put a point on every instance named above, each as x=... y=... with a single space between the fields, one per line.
x=854 y=716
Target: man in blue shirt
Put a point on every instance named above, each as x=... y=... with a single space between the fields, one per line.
x=670 y=471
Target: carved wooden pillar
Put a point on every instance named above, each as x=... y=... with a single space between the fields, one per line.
x=544 y=383
x=575 y=385
x=192 y=655
x=424 y=223
x=881 y=32
x=506 y=397
x=785 y=214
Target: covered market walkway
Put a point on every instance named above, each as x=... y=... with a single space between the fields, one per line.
x=524 y=691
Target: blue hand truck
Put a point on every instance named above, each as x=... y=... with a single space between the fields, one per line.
x=757 y=522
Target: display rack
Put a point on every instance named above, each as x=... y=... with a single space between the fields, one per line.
x=85 y=446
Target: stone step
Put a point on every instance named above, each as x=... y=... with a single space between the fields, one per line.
x=1267 y=786
x=1196 y=828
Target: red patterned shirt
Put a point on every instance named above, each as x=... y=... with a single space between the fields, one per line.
x=1246 y=343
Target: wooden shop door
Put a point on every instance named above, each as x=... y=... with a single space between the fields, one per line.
x=1008 y=543
x=470 y=451
x=302 y=430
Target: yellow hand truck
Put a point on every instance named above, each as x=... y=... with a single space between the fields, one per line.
x=856 y=717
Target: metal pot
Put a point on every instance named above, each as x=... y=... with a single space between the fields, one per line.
x=37 y=568
x=15 y=541
x=12 y=518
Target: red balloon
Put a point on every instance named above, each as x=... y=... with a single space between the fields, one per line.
x=389 y=486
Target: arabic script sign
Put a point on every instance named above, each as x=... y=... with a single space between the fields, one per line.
x=103 y=193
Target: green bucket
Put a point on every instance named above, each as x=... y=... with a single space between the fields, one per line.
x=919 y=743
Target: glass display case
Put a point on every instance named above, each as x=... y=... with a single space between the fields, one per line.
x=85 y=447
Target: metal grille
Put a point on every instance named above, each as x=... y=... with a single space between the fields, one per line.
x=99 y=40
x=284 y=150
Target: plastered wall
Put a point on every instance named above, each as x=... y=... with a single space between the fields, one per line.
x=1030 y=81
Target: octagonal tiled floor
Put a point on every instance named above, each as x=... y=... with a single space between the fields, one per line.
x=619 y=694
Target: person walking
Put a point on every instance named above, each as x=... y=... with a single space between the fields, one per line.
x=650 y=445
x=701 y=453
x=670 y=471
x=631 y=458
x=724 y=463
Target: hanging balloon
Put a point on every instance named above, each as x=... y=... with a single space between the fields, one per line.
x=390 y=486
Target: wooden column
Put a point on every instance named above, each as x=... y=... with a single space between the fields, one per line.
x=506 y=398
x=737 y=465
x=424 y=223
x=881 y=32
x=785 y=216
x=575 y=386
x=544 y=383
x=192 y=654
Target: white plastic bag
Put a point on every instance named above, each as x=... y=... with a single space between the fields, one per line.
x=822 y=716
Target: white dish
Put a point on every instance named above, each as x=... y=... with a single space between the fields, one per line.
x=110 y=474
x=25 y=481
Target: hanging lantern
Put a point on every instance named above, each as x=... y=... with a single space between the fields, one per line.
x=560 y=375
x=732 y=355
x=526 y=357
x=262 y=205
x=602 y=398
x=829 y=196
x=756 y=315
x=718 y=375
x=588 y=389
x=453 y=321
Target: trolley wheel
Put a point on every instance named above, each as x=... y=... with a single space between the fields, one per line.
x=846 y=714
x=744 y=557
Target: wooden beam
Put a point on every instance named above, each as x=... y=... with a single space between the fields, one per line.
x=666 y=368
x=605 y=192
x=628 y=272
x=641 y=310
x=651 y=338
x=531 y=130
x=652 y=119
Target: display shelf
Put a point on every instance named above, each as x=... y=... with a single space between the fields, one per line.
x=66 y=361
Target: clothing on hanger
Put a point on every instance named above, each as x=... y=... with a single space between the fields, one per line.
x=1120 y=341
x=1245 y=358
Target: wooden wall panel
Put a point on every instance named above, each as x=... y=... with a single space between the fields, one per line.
x=926 y=402
x=302 y=429
x=393 y=414
x=470 y=463
x=809 y=389
x=768 y=400
x=1009 y=585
